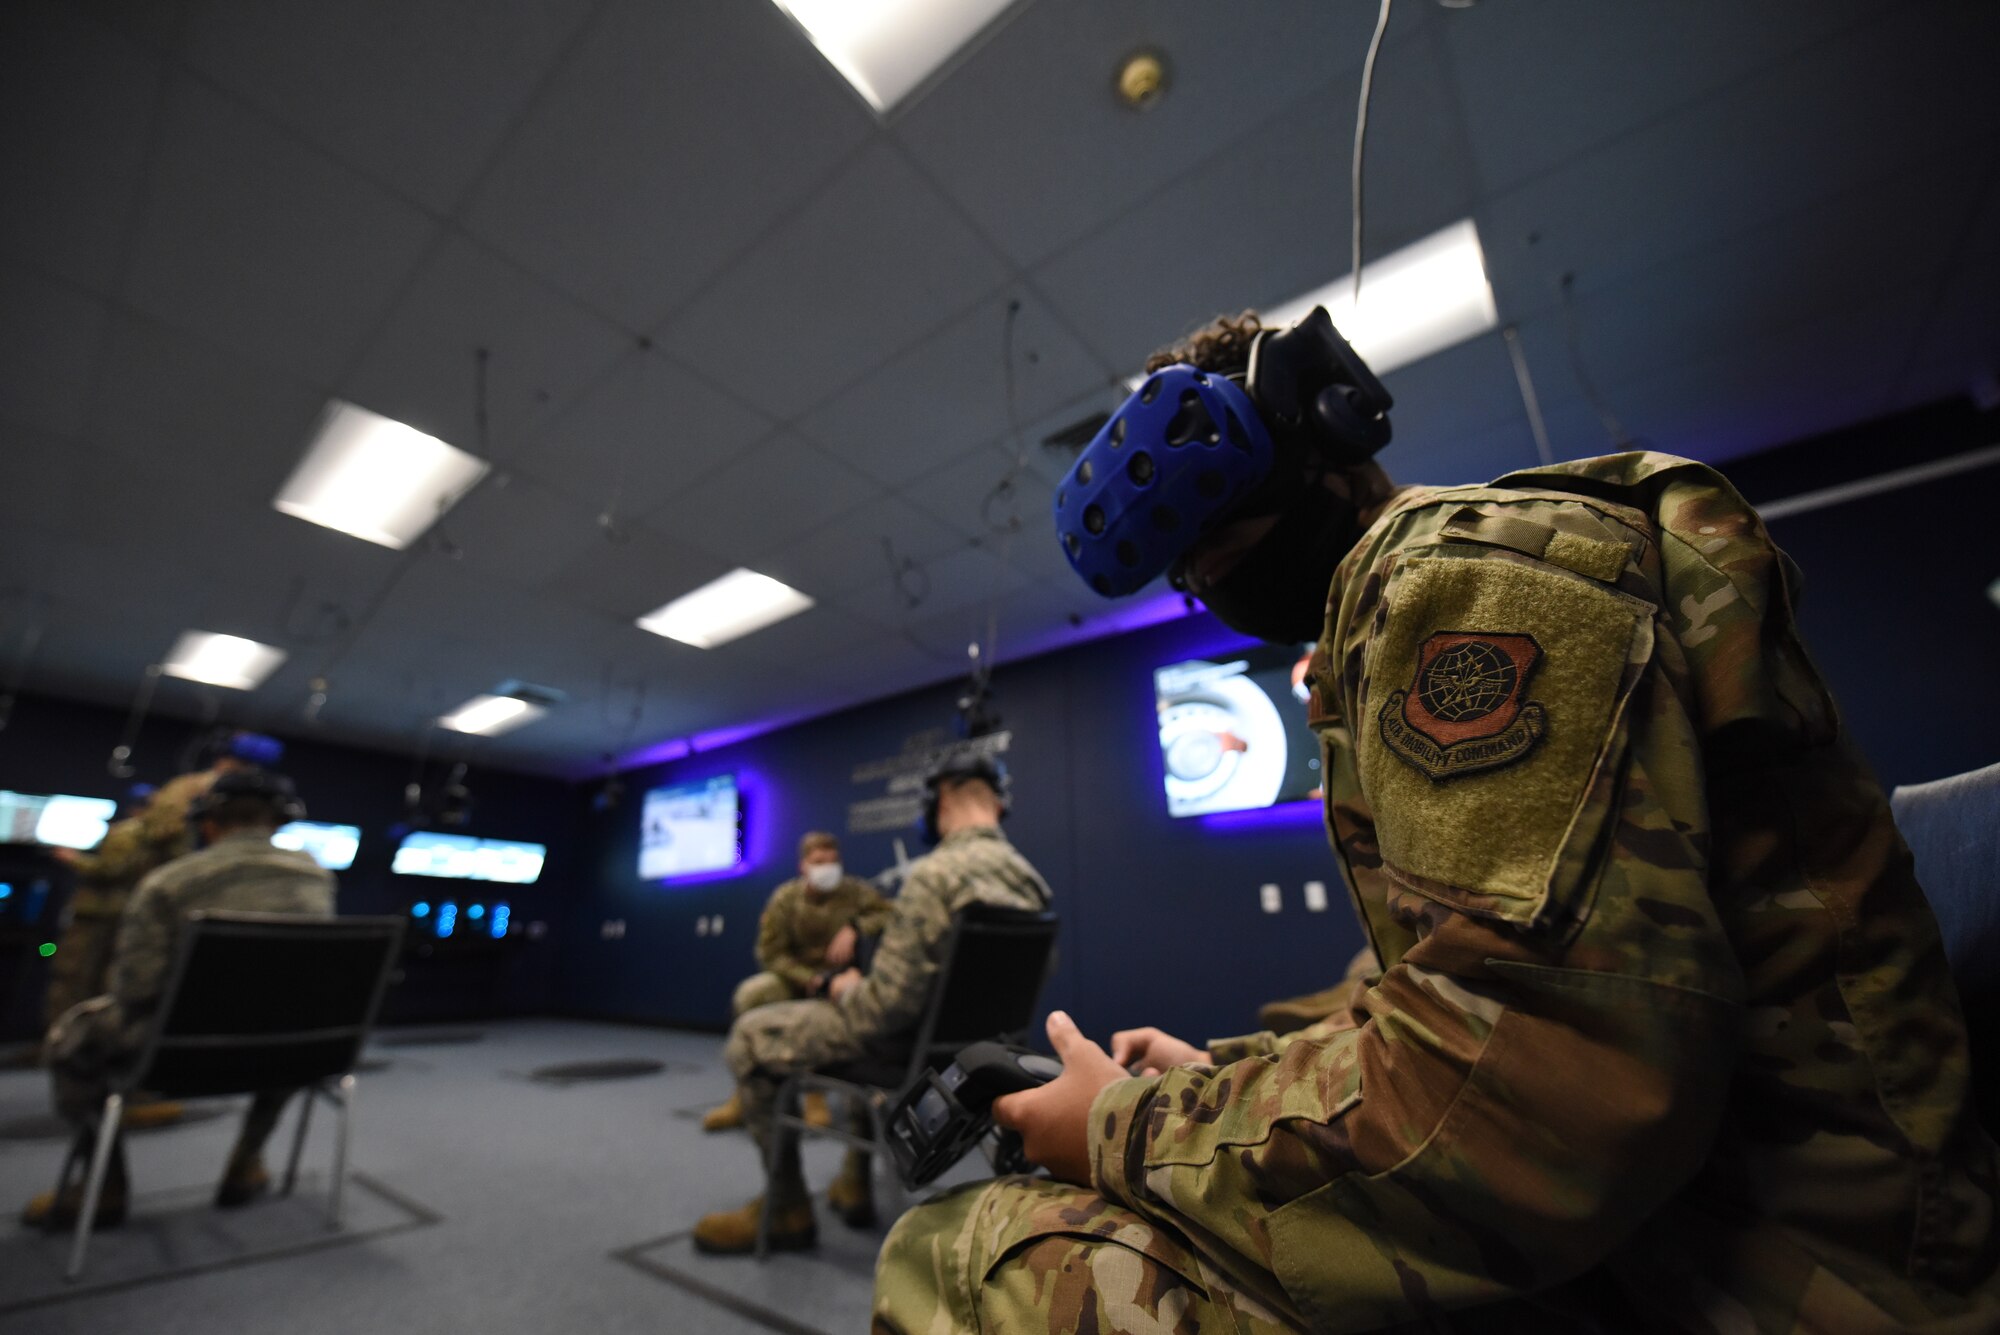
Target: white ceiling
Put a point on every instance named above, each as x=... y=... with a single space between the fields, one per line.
x=728 y=307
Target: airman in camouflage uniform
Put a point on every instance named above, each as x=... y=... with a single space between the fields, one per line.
x=1664 y=1039
x=796 y=945
x=239 y=870
x=105 y=878
x=973 y=864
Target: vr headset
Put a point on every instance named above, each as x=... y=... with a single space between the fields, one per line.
x=1189 y=448
x=253 y=785
x=991 y=771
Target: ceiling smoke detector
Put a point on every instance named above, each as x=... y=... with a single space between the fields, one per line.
x=1142 y=80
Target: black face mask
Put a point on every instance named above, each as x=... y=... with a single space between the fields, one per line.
x=1277 y=591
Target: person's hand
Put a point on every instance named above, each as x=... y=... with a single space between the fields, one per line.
x=1054 y=1120
x=843 y=982
x=1150 y=1051
x=840 y=950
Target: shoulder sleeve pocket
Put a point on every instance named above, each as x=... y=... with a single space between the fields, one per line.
x=1491 y=735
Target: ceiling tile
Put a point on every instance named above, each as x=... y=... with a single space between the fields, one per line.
x=985 y=492
x=50 y=334
x=1650 y=62
x=542 y=350
x=417 y=96
x=1028 y=134
x=763 y=496
x=646 y=431
x=671 y=136
x=1269 y=219
x=960 y=578
x=849 y=552
x=76 y=104
x=264 y=245
x=520 y=531
x=949 y=392
x=641 y=570
x=1698 y=176
x=876 y=259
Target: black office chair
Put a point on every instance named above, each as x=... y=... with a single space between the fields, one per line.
x=1953 y=829
x=996 y=962
x=256 y=1001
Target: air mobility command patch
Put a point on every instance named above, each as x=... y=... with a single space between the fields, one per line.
x=1467 y=710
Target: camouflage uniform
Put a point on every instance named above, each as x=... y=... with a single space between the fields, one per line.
x=1665 y=1039
x=975 y=866
x=793 y=934
x=241 y=872
x=104 y=881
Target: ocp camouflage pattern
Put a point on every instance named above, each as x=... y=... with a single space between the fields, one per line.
x=1665 y=1039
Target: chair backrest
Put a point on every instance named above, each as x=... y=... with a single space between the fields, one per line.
x=261 y=1001
x=1953 y=829
x=996 y=961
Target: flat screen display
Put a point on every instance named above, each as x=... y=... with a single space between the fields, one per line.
x=1233 y=734
x=59 y=820
x=464 y=858
x=331 y=846
x=689 y=828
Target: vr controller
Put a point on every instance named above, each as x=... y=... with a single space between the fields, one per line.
x=949 y=1112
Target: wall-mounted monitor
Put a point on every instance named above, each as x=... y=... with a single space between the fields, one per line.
x=689 y=828
x=331 y=846
x=1233 y=734
x=461 y=857
x=59 y=821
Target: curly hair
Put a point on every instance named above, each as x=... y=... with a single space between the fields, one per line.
x=1220 y=347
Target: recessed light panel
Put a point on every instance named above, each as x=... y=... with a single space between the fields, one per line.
x=726 y=609
x=885 y=48
x=491 y=715
x=222 y=660
x=376 y=478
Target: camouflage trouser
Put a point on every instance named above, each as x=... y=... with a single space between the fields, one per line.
x=1028 y=1254
x=761 y=989
x=82 y=964
x=770 y=1043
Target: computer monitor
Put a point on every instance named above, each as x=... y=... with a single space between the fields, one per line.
x=59 y=821
x=331 y=846
x=462 y=857
x=1233 y=734
x=689 y=828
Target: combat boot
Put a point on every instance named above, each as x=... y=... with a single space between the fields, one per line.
x=245 y=1181
x=852 y=1195
x=59 y=1211
x=734 y=1232
x=724 y=1117
x=815 y=1111
x=153 y=1113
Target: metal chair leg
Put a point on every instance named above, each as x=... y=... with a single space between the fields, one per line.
x=345 y=1100
x=100 y=1163
x=788 y=1097
x=310 y=1096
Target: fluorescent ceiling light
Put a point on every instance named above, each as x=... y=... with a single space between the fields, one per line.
x=222 y=660
x=885 y=48
x=726 y=609
x=376 y=478
x=1419 y=300
x=491 y=715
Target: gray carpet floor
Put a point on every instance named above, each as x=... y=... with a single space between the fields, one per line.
x=488 y=1202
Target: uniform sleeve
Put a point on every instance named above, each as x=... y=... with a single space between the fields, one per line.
x=1547 y=1065
x=892 y=995
x=777 y=950
x=144 y=951
x=122 y=856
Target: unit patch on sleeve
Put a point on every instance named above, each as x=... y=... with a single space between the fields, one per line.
x=1466 y=711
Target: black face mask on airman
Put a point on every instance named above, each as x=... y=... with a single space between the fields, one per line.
x=1277 y=589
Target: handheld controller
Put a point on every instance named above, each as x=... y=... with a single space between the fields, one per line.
x=941 y=1118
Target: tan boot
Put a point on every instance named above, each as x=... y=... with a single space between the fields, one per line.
x=146 y=1116
x=734 y=1232
x=244 y=1182
x=817 y=1114
x=852 y=1195
x=724 y=1117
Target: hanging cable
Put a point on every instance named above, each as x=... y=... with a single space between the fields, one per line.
x=1361 y=140
x=120 y=764
x=1529 y=400
x=1574 y=332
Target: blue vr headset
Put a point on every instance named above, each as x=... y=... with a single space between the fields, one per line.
x=1190 y=448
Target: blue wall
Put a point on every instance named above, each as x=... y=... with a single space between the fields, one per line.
x=1161 y=917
